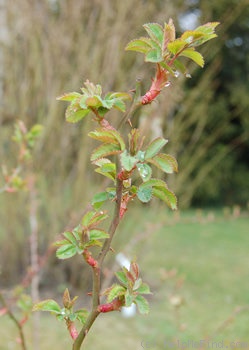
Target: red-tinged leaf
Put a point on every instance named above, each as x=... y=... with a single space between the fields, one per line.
x=154 y=147
x=134 y=269
x=142 y=305
x=169 y=34
x=47 y=305
x=165 y=195
x=71 y=96
x=165 y=162
x=108 y=136
x=194 y=56
x=104 y=151
x=70 y=237
x=155 y=31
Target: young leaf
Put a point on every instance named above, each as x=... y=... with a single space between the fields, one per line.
x=194 y=56
x=142 y=304
x=169 y=35
x=155 y=31
x=128 y=299
x=144 y=289
x=144 y=194
x=66 y=251
x=127 y=161
x=154 y=147
x=176 y=46
x=97 y=234
x=73 y=115
x=71 y=96
x=144 y=170
x=99 y=199
x=81 y=315
x=47 y=305
x=167 y=196
x=115 y=291
x=154 y=55
x=138 y=45
x=165 y=162
x=121 y=276
x=104 y=151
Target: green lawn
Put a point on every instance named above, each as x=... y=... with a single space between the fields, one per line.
x=200 y=259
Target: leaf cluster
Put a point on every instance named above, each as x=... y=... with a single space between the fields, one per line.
x=66 y=312
x=134 y=160
x=91 y=99
x=129 y=289
x=87 y=234
x=164 y=48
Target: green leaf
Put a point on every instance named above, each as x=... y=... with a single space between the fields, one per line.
x=167 y=196
x=144 y=170
x=191 y=35
x=144 y=289
x=73 y=115
x=99 y=199
x=142 y=305
x=179 y=66
x=154 y=147
x=70 y=237
x=176 y=46
x=144 y=194
x=66 y=251
x=155 y=31
x=128 y=299
x=194 y=56
x=165 y=162
x=115 y=291
x=97 y=234
x=25 y=303
x=153 y=183
x=127 y=161
x=104 y=151
x=119 y=105
x=85 y=221
x=108 y=136
x=137 y=284
x=81 y=315
x=154 y=55
x=121 y=276
x=139 y=45
x=208 y=28
x=71 y=96
x=47 y=305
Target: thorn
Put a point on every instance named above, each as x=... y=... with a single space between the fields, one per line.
x=112 y=250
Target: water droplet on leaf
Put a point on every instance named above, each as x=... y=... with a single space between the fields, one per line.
x=167 y=84
x=187 y=75
x=176 y=74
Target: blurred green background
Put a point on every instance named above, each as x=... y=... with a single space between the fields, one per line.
x=49 y=47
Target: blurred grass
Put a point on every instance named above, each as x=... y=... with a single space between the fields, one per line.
x=199 y=257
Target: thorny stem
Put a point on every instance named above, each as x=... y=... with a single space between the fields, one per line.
x=15 y=320
x=96 y=270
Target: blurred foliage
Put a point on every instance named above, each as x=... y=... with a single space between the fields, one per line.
x=56 y=45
